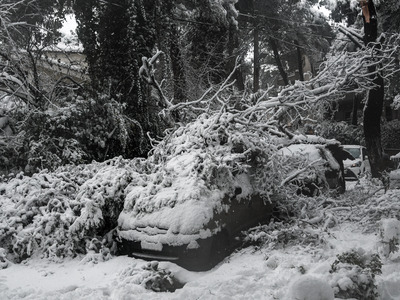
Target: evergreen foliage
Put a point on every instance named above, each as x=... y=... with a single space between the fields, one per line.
x=78 y=131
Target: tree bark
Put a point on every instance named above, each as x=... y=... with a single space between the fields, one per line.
x=372 y=128
x=278 y=61
x=374 y=104
x=299 y=61
x=233 y=45
x=177 y=67
x=256 y=58
x=354 y=117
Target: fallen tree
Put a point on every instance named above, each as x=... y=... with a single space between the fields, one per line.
x=343 y=72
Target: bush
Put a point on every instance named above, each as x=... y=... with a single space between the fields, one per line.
x=391 y=134
x=151 y=277
x=63 y=213
x=354 y=275
x=389 y=238
x=75 y=131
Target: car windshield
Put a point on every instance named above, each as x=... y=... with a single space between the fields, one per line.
x=355 y=152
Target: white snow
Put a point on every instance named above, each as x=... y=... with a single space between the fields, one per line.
x=288 y=272
x=310 y=288
x=52 y=218
x=69 y=38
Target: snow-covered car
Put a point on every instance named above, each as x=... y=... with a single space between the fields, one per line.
x=198 y=191
x=322 y=167
x=203 y=185
x=183 y=219
x=193 y=218
x=357 y=165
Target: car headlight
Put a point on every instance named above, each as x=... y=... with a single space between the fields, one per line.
x=357 y=164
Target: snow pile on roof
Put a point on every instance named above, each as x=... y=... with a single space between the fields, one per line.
x=395 y=157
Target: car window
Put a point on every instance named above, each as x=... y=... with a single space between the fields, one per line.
x=355 y=152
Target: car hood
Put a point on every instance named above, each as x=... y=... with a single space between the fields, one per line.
x=177 y=204
x=349 y=162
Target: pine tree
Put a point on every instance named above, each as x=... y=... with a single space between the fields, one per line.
x=208 y=40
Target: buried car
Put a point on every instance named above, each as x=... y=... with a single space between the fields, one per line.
x=189 y=212
x=202 y=186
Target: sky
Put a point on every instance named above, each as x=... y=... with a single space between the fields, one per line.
x=69 y=25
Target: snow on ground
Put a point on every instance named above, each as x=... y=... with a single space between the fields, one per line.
x=292 y=272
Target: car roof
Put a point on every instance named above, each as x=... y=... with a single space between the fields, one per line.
x=353 y=146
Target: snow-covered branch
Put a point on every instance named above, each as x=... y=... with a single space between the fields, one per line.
x=147 y=71
x=298 y=172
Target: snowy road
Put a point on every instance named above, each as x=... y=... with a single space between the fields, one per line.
x=247 y=274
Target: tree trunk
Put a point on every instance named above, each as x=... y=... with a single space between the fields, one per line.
x=372 y=128
x=177 y=67
x=278 y=61
x=299 y=61
x=233 y=45
x=374 y=104
x=256 y=58
x=354 y=117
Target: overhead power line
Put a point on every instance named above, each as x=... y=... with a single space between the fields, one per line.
x=280 y=19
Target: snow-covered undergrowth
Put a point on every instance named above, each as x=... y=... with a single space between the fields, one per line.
x=353 y=273
x=356 y=256
x=69 y=211
x=63 y=213
x=74 y=210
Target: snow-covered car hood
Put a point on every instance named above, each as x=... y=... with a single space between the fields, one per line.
x=176 y=203
x=348 y=163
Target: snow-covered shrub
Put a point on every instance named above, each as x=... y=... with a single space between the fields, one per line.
x=281 y=234
x=76 y=130
x=96 y=252
x=102 y=198
x=391 y=134
x=372 y=208
x=389 y=238
x=396 y=102
x=151 y=277
x=353 y=275
x=57 y=214
x=4 y=262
